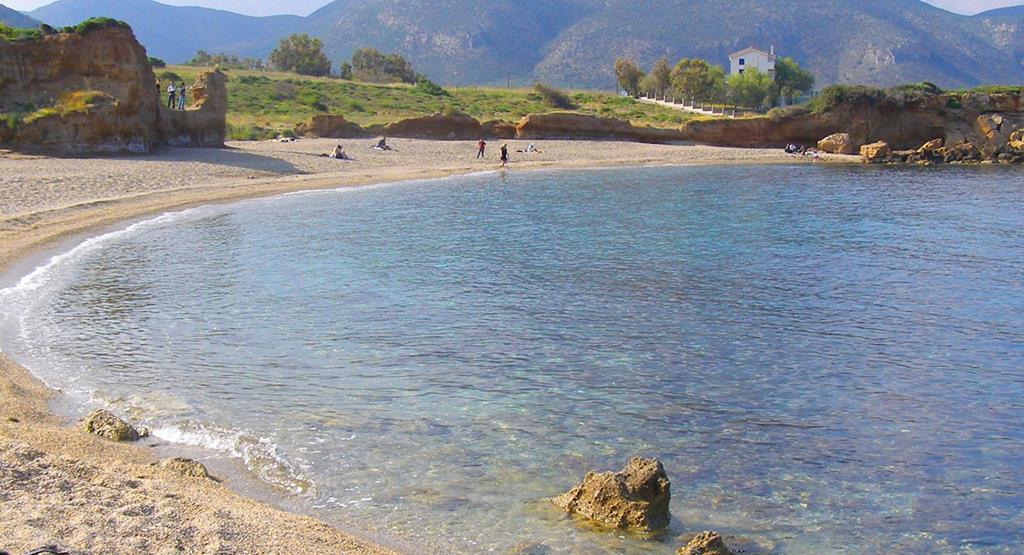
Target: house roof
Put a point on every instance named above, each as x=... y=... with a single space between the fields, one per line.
x=750 y=50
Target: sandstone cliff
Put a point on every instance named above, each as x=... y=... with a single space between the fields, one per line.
x=92 y=91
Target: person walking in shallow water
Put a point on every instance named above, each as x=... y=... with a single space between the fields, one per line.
x=171 y=95
x=482 y=146
x=181 y=96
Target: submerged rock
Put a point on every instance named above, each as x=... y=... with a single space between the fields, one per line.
x=635 y=498
x=706 y=543
x=186 y=467
x=106 y=424
x=837 y=143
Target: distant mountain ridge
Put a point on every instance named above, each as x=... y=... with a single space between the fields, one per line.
x=175 y=33
x=575 y=42
x=14 y=18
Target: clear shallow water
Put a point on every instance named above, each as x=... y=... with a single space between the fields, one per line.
x=826 y=359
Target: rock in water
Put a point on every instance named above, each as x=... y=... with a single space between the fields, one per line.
x=706 y=543
x=186 y=467
x=106 y=424
x=837 y=143
x=875 y=152
x=635 y=498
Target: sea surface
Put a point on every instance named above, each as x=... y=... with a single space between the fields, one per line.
x=826 y=359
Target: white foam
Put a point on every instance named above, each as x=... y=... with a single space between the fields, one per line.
x=260 y=455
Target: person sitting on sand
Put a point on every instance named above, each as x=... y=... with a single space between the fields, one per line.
x=382 y=144
x=481 y=147
x=504 y=155
x=338 y=153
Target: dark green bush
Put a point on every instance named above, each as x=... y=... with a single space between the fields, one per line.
x=554 y=97
x=95 y=24
x=12 y=34
x=427 y=86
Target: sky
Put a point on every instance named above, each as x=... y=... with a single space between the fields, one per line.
x=304 y=7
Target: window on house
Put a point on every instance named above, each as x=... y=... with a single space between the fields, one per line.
x=743 y=61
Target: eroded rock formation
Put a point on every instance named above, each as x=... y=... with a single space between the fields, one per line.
x=92 y=92
x=635 y=498
x=837 y=143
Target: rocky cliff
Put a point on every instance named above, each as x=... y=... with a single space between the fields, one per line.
x=91 y=90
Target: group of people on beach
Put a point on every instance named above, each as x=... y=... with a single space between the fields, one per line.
x=339 y=151
x=798 y=150
x=482 y=150
x=176 y=95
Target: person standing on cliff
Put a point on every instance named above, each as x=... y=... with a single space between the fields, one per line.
x=482 y=145
x=181 y=96
x=171 y=95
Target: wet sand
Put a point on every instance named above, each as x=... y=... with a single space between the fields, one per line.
x=59 y=485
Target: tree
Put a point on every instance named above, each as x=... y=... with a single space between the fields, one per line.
x=752 y=88
x=628 y=76
x=792 y=79
x=662 y=74
x=157 y=62
x=301 y=54
x=649 y=84
x=699 y=80
x=370 y=65
x=345 y=71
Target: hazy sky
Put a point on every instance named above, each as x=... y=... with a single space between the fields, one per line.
x=303 y=7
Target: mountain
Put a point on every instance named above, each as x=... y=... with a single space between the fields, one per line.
x=1004 y=29
x=14 y=18
x=575 y=42
x=176 y=33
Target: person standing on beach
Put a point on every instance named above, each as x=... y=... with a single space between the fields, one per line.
x=181 y=96
x=504 y=155
x=171 y=95
x=482 y=145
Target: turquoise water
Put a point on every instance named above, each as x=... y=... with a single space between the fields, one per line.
x=825 y=359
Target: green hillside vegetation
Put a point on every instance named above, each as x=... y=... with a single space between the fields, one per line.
x=264 y=104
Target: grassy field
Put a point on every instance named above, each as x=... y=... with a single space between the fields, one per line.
x=263 y=104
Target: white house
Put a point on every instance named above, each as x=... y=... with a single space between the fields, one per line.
x=752 y=57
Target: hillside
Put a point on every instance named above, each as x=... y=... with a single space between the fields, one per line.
x=176 y=33
x=14 y=18
x=264 y=104
x=575 y=42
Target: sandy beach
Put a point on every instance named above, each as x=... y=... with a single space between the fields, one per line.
x=59 y=485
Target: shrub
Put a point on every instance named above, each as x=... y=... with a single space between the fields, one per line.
x=157 y=62
x=12 y=34
x=554 y=97
x=427 y=86
x=95 y=24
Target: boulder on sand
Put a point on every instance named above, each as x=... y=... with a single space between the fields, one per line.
x=706 y=543
x=106 y=424
x=635 y=498
x=186 y=467
x=837 y=143
x=875 y=152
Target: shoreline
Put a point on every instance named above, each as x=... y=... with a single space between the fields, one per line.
x=50 y=454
